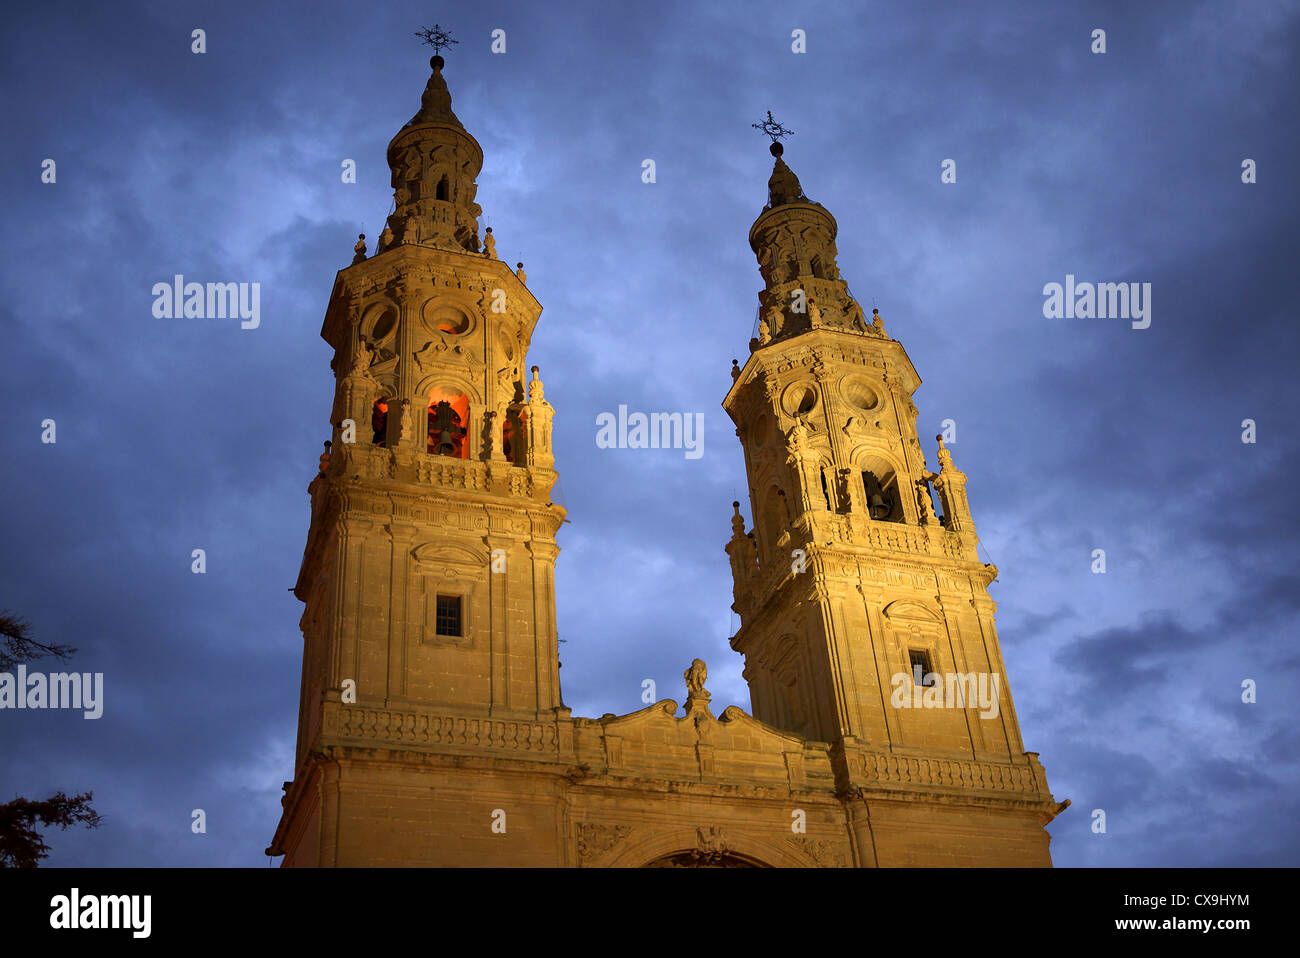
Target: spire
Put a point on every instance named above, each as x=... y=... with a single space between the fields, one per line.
x=783 y=186
x=434 y=162
x=794 y=242
x=435 y=104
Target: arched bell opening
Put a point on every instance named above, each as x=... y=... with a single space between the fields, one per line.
x=512 y=436
x=448 y=431
x=881 y=495
x=774 y=516
x=379 y=421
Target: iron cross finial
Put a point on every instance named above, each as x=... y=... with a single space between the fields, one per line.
x=436 y=38
x=771 y=128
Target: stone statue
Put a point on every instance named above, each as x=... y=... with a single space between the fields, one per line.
x=508 y=384
x=359 y=249
x=798 y=437
x=856 y=316
x=411 y=163
x=385 y=239
x=405 y=428
x=361 y=357
x=519 y=271
x=774 y=319
x=923 y=501
x=489 y=244
x=764 y=333
x=411 y=231
x=695 y=677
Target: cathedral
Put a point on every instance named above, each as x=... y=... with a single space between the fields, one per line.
x=431 y=729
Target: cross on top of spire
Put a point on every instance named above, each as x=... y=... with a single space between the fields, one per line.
x=775 y=130
x=436 y=38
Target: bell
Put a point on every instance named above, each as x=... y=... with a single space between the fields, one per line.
x=877 y=507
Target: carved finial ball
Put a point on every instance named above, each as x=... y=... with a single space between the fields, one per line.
x=777 y=149
x=939 y=438
x=489 y=229
x=519 y=265
x=535 y=370
x=361 y=236
x=436 y=61
x=735 y=504
x=875 y=312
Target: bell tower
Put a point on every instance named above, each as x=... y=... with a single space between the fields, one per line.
x=859 y=596
x=428 y=574
x=431 y=729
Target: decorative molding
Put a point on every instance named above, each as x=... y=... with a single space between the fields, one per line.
x=986 y=776
x=391 y=726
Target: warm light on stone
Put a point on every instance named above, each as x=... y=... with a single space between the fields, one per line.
x=431 y=726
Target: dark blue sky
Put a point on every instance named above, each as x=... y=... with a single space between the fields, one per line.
x=1077 y=434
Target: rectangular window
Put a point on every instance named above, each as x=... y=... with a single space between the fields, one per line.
x=448 y=620
x=922 y=674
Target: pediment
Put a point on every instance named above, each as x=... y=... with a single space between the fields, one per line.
x=700 y=725
x=451 y=561
x=911 y=610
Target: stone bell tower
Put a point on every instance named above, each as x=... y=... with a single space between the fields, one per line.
x=858 y=597
x=428 y=574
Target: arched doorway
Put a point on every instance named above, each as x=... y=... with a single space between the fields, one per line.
x=698 y=858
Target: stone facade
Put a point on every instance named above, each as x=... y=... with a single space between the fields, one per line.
x=431 y=726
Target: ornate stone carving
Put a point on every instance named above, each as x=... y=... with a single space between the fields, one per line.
x=596 y=838
x=824 y=853
x=710 y=845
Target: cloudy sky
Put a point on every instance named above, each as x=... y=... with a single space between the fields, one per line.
x=1077 y=434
